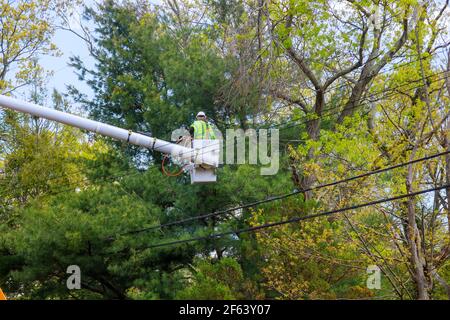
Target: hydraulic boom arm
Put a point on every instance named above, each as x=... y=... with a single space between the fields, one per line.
x=107 y=130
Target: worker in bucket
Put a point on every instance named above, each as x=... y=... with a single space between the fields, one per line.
x=201 y=129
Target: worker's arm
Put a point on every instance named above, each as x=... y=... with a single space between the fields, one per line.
x=191 y=131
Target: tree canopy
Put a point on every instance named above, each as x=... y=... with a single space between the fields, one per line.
x=352 y=86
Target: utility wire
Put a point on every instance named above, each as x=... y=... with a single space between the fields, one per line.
x=293 y=220
x=284 y=196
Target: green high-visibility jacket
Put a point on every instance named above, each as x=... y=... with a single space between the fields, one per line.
x=203 y=130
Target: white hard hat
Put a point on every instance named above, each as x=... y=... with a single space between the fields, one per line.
x=201 y=114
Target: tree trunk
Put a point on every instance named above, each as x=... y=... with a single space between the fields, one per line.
x=313 y=129
x=357 y=92
x=414 y=241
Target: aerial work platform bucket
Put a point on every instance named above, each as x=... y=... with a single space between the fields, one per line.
x=203 y=171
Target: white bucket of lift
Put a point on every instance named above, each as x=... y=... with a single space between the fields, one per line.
x=204 y=171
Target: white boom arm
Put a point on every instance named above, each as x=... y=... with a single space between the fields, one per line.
x=107 y=130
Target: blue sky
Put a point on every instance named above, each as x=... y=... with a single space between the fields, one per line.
x=70 y=45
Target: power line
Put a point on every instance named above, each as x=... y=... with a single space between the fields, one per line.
x=284 y=196
x=293 y=220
